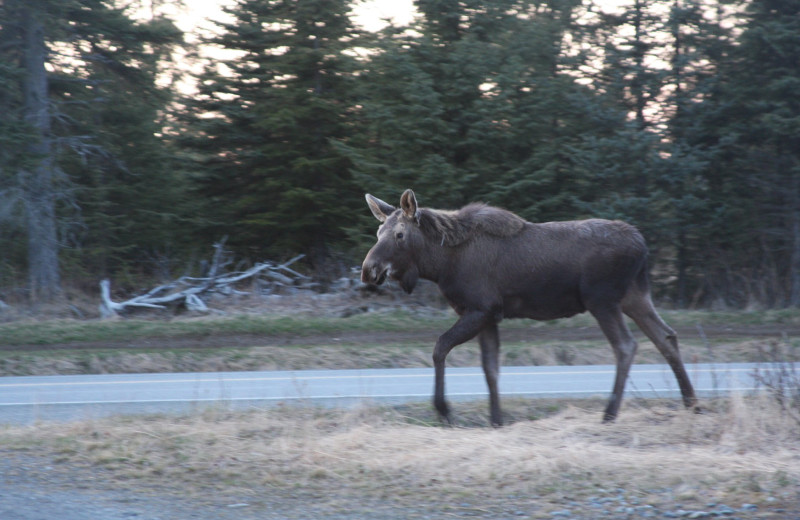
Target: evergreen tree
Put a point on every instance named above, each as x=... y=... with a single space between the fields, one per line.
x=125 y=179
x=699 y=44
x=15 y=134
x=471 y=105
x=627 y=43
x=659 y=67
x=75 y=68
x=407 y=139
x=31 y=185
x=751 y=126
x=262 y=130
x=538 y=124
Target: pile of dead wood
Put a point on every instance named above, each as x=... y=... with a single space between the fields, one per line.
x=193 y=292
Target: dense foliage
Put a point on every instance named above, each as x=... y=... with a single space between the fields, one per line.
x=85 y=179
x=682 y=118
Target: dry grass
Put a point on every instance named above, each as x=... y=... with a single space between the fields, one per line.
x=741 y=450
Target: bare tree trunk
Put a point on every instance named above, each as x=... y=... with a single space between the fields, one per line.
x=37 y=182
x=794 y=260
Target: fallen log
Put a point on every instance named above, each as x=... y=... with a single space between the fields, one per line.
x=192 y=291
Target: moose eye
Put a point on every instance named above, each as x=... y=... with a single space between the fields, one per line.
x=400 y=236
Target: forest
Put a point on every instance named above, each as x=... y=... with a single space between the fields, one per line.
x=127 y=149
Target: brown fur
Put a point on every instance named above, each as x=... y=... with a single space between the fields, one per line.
x=490 y=264
x=453 y=228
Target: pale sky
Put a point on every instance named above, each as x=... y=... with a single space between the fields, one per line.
x=368 y=14
x=194 y=19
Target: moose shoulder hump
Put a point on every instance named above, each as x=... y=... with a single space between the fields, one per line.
x=456 y=227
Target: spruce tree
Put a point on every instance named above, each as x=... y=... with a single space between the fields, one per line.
x=659 y=66
x=263 y=124
x=125 y=179
x=473 y=105
x=537 y=122
x=73 y=69
x=406 y=139
x=31 y=173
x=697 y=48
x=751 y=127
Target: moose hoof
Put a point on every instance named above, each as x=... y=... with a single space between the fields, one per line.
x=496 y=419
x=443 y=409
x=691 y=404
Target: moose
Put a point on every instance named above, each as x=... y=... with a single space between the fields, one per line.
x=491 y=264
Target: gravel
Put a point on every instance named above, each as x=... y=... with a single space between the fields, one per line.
x=34 y=488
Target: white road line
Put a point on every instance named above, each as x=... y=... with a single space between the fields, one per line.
x=449 y=375
x=362 y=396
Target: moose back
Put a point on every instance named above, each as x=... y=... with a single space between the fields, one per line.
x=491 y=264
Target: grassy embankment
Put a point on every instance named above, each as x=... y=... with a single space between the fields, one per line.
x=373 y=340
x=742 y=450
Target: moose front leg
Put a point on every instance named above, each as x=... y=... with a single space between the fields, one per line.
x=466 y=328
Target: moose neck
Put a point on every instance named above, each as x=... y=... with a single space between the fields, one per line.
x=432 y=260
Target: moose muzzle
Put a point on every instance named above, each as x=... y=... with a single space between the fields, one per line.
x=373 y=272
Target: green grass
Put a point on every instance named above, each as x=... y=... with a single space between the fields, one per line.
x=769 y=317
x=51 y=332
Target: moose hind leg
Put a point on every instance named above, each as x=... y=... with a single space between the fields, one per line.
x=616 y=331
x=666 y=341
x=489 y=340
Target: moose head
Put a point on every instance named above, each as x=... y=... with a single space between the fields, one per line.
x=395 y=255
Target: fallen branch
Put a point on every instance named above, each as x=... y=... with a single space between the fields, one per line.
x=190 y=291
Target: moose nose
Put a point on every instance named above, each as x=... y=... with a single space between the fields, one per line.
x=372 y=272
x=367 y=271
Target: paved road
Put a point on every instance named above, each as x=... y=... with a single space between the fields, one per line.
x=24 y=400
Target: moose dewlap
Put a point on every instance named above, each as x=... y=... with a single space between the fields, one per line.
x=491 y=264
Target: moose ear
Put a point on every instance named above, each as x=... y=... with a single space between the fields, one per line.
x=408 y=203
x=380 y=209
